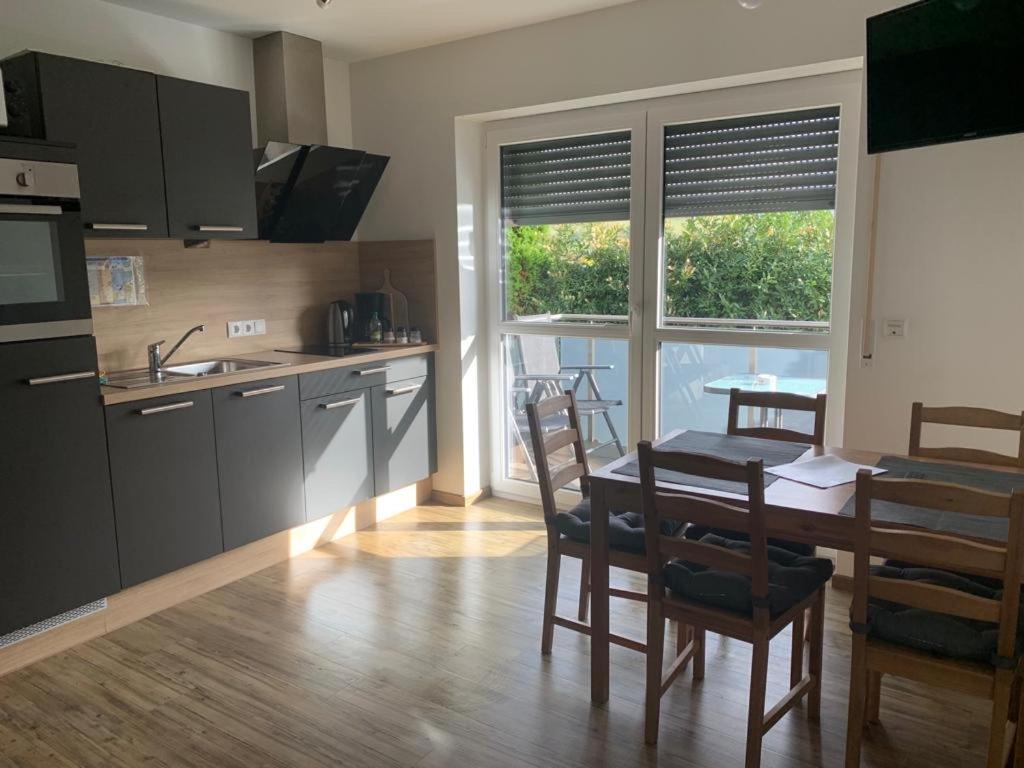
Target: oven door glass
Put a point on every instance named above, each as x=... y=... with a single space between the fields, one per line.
x=30 y=270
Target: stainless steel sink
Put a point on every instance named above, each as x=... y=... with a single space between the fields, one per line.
x=142 y=378
x=216 y=367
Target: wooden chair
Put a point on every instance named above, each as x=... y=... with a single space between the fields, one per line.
x=983 y=418
x=884 y=647
x=546 y=443
x=765 y=610
x=777 y=401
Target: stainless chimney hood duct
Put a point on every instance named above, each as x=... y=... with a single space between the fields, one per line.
x=306 y=191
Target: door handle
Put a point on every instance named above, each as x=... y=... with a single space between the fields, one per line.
x=31 y=210
x=60 y=378
x=368 y=371
x=340 y=404
x=215 y=228
x=119 y=227
x=165 y=408
x=403 y=390
x=263 y=391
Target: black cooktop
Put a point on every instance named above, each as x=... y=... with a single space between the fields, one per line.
x=327 y=350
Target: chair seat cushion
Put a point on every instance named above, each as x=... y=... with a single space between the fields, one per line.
x=698 y=532
x=791 y=579
x=939 y=633
x=625 y=529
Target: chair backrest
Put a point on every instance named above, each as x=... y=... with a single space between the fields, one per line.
x=958 y=416
x=546 y=443
x=536 y=354
x=659 y=505
x=779 y=401
x=939 y=550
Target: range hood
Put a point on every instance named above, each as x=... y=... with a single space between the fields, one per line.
x=306 y=191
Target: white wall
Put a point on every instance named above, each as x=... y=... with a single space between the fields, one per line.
x=99 y=31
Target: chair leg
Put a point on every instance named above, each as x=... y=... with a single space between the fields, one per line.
x=873 y=697
x=550 y=599
x=816 y=653
x=755 y=710
x=1018 y=742
x=796 y=657
x=1000 y=716
x=584 y=589
x=699 y=638
x=655 y=660
x=855 y=717
x=683 y=635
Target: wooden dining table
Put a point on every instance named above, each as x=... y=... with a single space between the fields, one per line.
x=794 y=511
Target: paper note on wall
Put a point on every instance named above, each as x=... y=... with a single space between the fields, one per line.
x=116 y=281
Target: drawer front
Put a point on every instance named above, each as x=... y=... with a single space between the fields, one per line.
x=337 y=449
x=403 y=433
x=163 y=465
x=362 y=375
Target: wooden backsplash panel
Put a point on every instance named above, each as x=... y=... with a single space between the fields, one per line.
x=289 y=286
x=412 y=272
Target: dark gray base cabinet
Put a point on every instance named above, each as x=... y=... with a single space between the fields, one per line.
x=259 y=455
x=163 y=461
x=337 y=447
x=403 y=433
x=57 y=545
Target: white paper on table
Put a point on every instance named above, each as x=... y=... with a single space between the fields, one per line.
x=822 y=471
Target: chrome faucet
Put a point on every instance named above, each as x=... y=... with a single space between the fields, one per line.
x=156 y=362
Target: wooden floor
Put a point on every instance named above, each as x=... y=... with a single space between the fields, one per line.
x=417 y=644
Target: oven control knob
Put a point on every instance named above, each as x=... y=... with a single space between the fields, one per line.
x=26 y=178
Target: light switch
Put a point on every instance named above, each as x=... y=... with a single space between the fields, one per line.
x=894 y=329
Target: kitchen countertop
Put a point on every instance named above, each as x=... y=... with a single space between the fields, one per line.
x=292 y=364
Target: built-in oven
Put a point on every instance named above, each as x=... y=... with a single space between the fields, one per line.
x=44 y=284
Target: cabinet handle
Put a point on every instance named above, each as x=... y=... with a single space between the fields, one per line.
x=61 y=378
x=165 y=408
x=368 y=371
x=403 y=390
x=214 y=228
x=119 y=227
x=263 y=391
x=340 y=404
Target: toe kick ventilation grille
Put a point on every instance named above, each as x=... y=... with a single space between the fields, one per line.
x=52 y=623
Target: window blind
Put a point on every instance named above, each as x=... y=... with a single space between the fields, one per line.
x=778 y=162
x=583 y=178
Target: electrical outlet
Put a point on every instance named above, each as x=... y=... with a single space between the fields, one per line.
x=260 y=327
x=236 y=328
x=249 y=327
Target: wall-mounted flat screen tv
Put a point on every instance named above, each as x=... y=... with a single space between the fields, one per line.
x=945 y=70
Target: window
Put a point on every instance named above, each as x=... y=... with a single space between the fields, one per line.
x=749 y=216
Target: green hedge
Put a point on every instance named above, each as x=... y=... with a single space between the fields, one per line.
x=775 y=266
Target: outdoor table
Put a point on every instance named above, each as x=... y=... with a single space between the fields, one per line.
x=760 y=382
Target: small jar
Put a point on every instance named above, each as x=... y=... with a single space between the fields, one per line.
x=415 y=336
x=389 y=337
x=402 y=335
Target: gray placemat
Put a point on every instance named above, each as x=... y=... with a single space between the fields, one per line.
x=772 y=452
x=975 y=526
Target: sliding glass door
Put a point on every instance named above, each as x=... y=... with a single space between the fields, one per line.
x=652 y=257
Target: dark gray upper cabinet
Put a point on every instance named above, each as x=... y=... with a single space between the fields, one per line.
x=337 y=452
x=163 y=462
x=208 y=161
x=110 y=113
x=57 y=545
x=259 y=456
x=403 y=433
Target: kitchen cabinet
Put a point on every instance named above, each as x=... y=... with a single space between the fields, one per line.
x=403 y=433
x=57 y=545
x=110 y=113
x=337 y=452
x=209 y=170
x=259 y=457
x=163 y=461
x=363 y=375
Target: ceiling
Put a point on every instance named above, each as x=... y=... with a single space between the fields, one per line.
x=361 y=29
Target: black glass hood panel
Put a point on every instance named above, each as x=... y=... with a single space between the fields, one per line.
x=312 y=193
